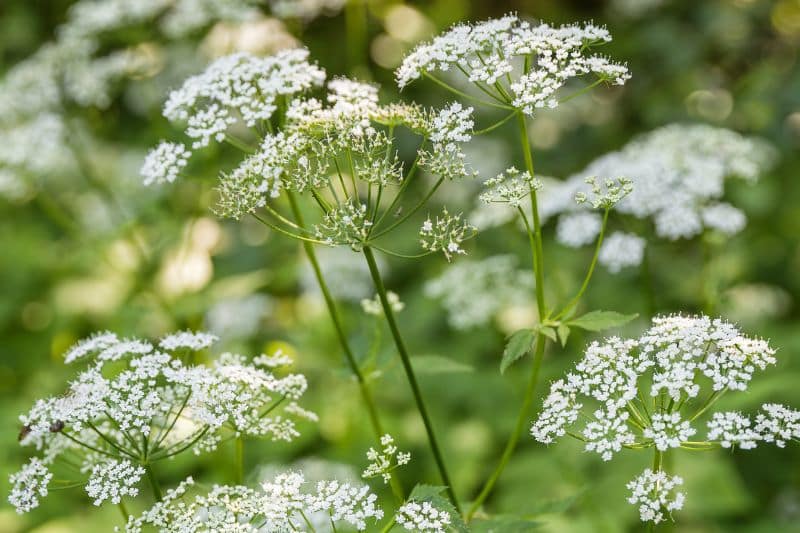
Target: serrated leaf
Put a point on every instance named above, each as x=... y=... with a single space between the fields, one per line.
x=548 y=332
x=519 y=344
x=600 y=320
x=503 y=524
x=563 y=334
x=436 y=364
x=434 y=495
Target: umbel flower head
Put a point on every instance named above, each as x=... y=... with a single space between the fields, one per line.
x=285 y=503
x=135 y=403
x=340 y=150
x=522 y=65
x=652 y=393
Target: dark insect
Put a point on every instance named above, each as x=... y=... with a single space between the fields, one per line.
x=23 y=432
x=56 y=426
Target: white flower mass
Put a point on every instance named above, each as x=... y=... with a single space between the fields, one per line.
x=648 y=392
x=135 y=404
x=538 y=59
x=284 y=503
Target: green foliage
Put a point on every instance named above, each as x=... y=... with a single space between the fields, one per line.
x=601 y=320
x=518 y=345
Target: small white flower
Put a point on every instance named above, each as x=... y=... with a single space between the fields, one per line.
x=187 y=340
x=422 y=517
x=621 y=250
x=112 y=480
x=668 y=430
x=655 y=494
x=374 y=307
x=445 y=234
x=510 y=187
x=578 y=229
x=384 y=461
x=724 y=218
x=164 y=163
x=28 y=485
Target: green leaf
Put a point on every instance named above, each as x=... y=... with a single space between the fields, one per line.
x=434 y=495
x=563 y=334
x=436 y=364
x=600 y=320
x=503 y=524
x=548 y=332
x=519 y=344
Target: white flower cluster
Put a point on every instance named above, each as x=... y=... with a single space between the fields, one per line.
x=305 y=9
x=620 y=250
x=28 y=485
x=655 y=494
x=113 y=479
x=510 y=187
x=445 y=234
x=164 y=163
x=373 y=306
x=385 y=460
x=546 y=58
x=578 y=229
x=135 y=404
x=646 y=392
x=282 y=504
x=447 y=130
x=348 y=224
x=239 y=87
x=677 y=175
x=422 y=517
x=473 y=292
x=342 y=141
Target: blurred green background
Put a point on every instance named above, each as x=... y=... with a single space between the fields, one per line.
x=71 y=260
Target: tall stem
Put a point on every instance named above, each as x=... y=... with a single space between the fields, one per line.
x=239 y=459
x=538 y=263
x=151 y=476
x=123 y=510
x=535 y=237
x=412 y=379
x=522 y=417
x=344 y=343
x=356 y=25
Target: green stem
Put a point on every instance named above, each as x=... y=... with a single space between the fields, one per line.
x=344 y=343
x=465 y=95
x=239 y=459
x=518 y=428
x=412 y=212
x=412 y=378
x=356 y=26
x=535 y=237
x=151 y=476
x=388 y=527
x=572 y=303
x=495 y=125
x=123 y=510
x=538 y=264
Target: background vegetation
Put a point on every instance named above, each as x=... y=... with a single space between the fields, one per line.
x=72 y=262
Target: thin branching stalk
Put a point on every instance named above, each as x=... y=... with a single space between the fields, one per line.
x=535 y=238
x=572 y=303
x=410 y=375
x=344 y=343
x=519 y=427
x=239 y=459
x=151 y=476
